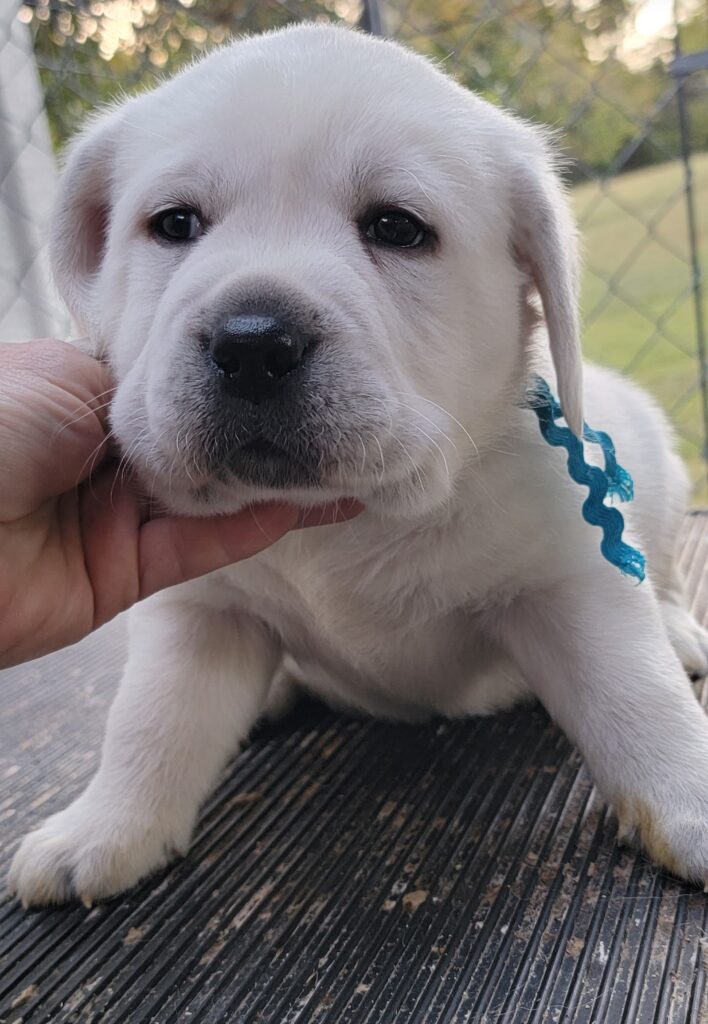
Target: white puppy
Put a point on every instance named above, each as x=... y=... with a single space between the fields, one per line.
x=312 y=262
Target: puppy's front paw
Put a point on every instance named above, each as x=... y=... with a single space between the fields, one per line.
x=675 y=838
x=82 y=853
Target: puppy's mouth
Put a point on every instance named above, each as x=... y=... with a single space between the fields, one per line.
x=264 y=463
x=262 y=448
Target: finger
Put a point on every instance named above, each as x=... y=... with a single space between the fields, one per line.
x=110 y=530
x=51 y=420
x=59 y=363
x=175 y=550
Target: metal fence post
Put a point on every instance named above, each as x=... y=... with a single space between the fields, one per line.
x=371 y=19
x=682 y=67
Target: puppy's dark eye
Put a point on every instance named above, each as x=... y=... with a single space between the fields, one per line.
x=395 y=227
x=180 y=224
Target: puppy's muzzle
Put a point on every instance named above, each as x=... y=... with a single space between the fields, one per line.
x=254 y=353
x=262 y=390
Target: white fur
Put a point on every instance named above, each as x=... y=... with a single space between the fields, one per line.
x=471 y=580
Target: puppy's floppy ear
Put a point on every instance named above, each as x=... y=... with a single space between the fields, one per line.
x=81 y=217
x=544 y=242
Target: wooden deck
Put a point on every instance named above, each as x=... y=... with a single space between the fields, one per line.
x=353 y=872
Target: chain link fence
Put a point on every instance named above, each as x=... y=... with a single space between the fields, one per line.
x=623 y=82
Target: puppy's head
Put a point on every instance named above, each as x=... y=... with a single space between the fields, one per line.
x=308 y=260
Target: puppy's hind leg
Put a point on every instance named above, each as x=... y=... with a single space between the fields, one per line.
x=688 y=638
x=661 y=515
x=194 y=685
x=283 y=692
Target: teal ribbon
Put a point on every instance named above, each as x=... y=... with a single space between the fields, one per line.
x=613 y=480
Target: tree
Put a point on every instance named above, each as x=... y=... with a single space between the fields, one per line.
x=558 y=62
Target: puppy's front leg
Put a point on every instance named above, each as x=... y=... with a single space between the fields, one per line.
x=597 y=654
x=195 y=682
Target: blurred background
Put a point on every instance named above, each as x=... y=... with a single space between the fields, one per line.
x=624 y=83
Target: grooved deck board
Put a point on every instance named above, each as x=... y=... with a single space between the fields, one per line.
x=353 y=872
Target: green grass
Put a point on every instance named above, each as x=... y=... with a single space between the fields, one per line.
x=640 y=219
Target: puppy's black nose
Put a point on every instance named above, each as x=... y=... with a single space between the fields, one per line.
x=256 y=352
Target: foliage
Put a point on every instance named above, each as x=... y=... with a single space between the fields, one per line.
x=89 y=52
x=559 y=62
x=563 y=63
x=567 y=63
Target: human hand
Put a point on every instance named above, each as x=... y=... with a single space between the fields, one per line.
x=74 y=552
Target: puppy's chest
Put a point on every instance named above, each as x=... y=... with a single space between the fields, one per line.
x=380 y=622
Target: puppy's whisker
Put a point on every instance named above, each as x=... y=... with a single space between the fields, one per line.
x=77 y=419
x=173 y=466
x=485 y=491
x=432 y=423
x=410 y=459
x=124 y=464
x=196 y=464
x=186 y=461
x=90 y=462
x=259 y=524
x=363 y=452
x=153 y=455
x=442 y=409
x=416 y=179
x=439 y=449
x=501 y=451
x=93 y=455
x=117 y=477
x=383 y=459
x=361 y=474
x=320 y=461
x=92 y=407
